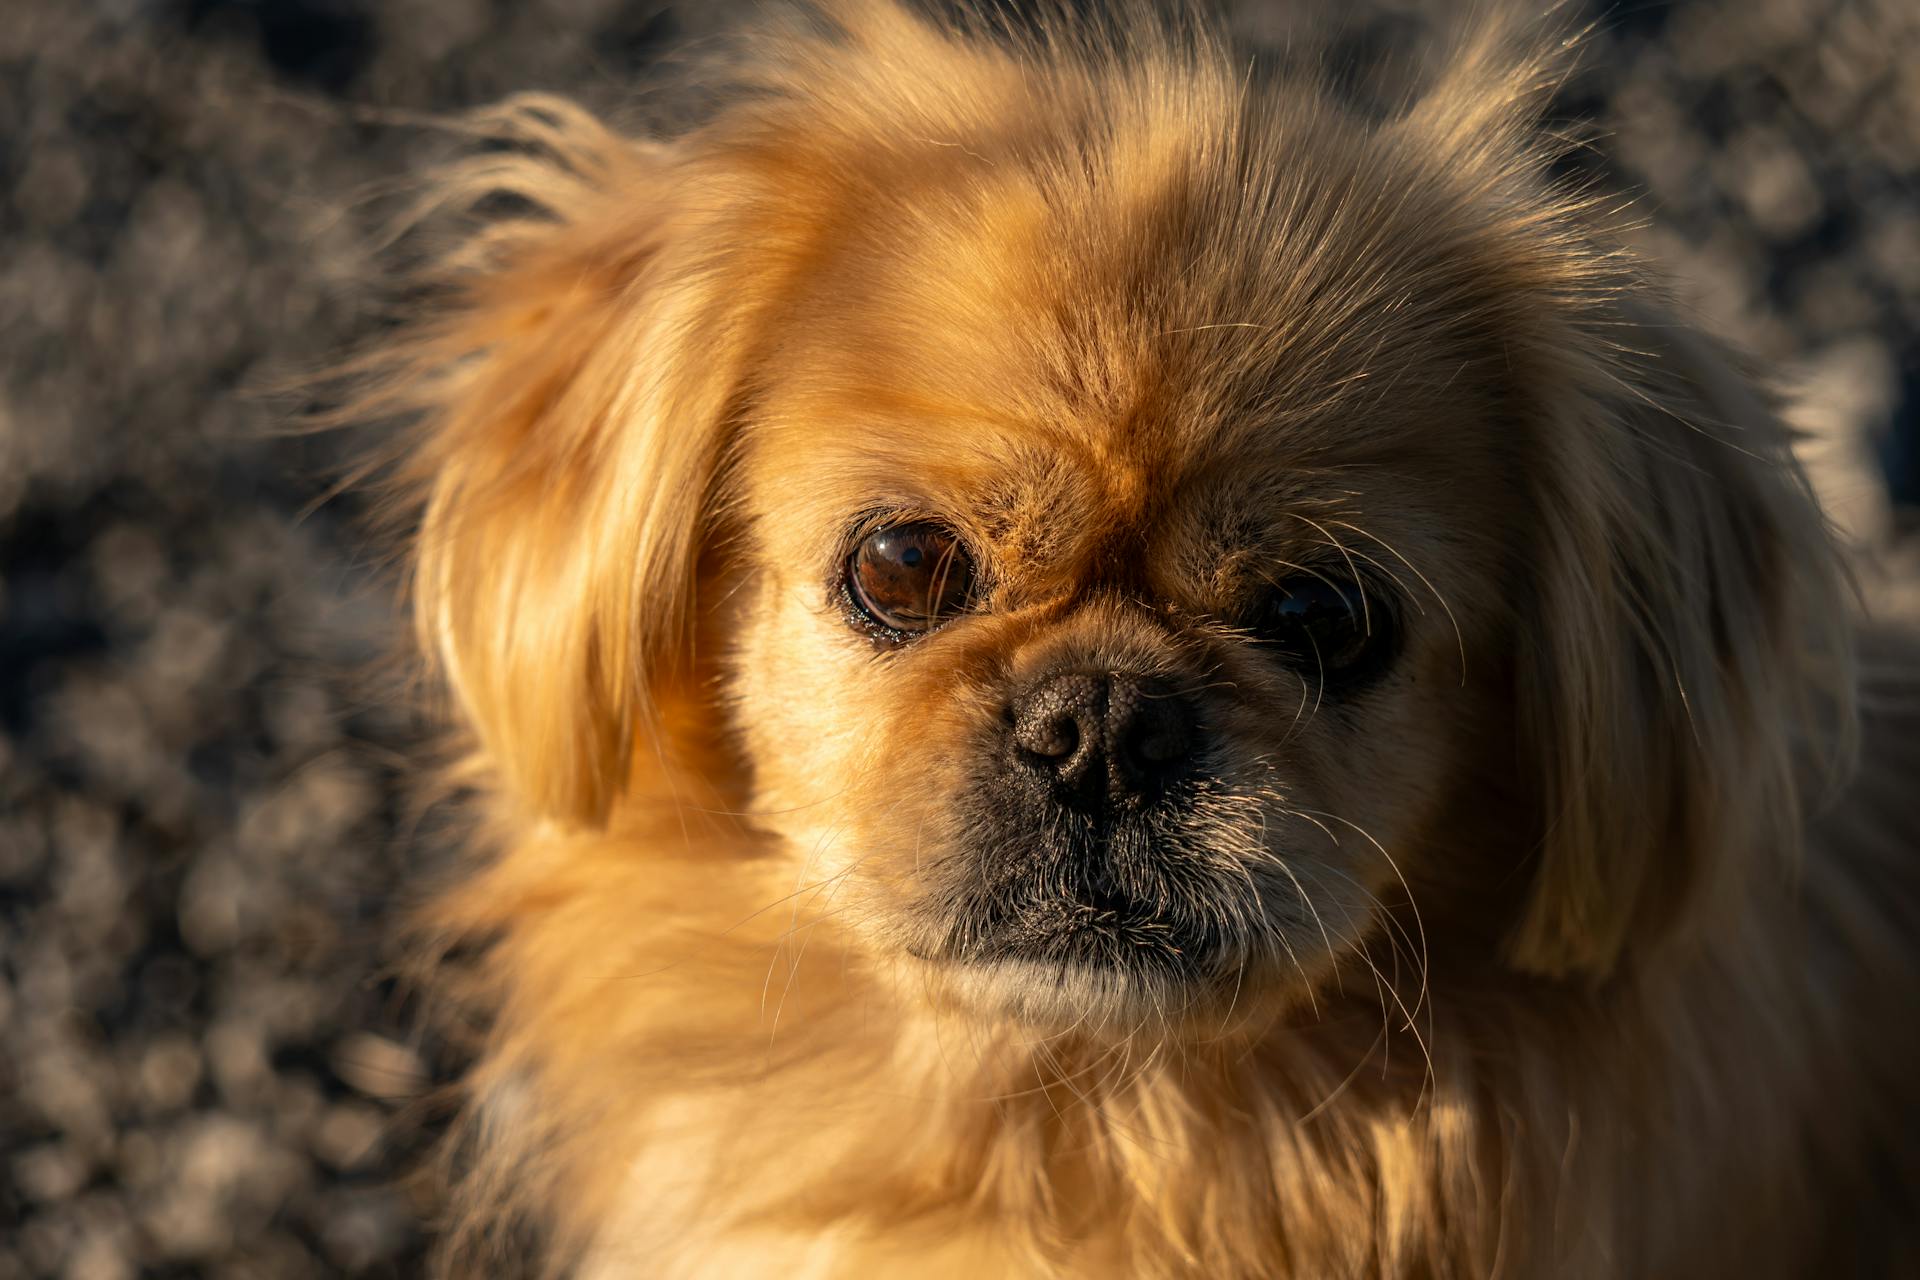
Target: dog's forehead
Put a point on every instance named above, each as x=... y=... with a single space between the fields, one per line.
x=1185 y=327
x=1056 y=483
x=1008 y=446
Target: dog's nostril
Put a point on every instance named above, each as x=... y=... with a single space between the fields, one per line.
x=1162 y=742
x=1056 y=739
x=1106 y=735
x=1053 y=738
x=1057 y=723
x=1155 y=740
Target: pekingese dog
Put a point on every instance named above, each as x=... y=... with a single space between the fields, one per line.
x=1085 y=659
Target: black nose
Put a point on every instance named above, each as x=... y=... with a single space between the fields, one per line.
x=1102 y=736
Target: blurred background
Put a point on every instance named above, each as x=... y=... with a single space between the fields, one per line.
x=203 y=824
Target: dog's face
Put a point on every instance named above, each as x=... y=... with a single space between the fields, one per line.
x=1108 y=621
x=1135 y=530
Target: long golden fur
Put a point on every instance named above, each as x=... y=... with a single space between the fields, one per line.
x=1566 y=948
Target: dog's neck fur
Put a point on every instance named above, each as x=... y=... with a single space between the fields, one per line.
x=754 y=1095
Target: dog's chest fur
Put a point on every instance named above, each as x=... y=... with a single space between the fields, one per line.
x=841 y=1137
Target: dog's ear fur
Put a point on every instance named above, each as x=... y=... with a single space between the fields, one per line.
x=573 y=396
x=1686 y=609
x=578 y=390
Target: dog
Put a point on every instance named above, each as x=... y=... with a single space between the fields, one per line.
x=1076 y=657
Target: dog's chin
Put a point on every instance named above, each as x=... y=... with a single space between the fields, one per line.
x=1104 y=1001
x=1112 y=971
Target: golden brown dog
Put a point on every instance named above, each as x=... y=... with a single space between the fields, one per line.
x=1082 y=662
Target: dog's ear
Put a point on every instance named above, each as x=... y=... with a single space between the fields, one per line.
x=574 y=396
x=1688 y=613
x=1685 y=616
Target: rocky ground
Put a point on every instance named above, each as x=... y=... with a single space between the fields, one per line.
x=203 y=832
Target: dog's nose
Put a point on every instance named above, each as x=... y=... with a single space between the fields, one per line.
x=1103 y=736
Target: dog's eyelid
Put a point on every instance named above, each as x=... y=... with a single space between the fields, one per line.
x=1274 y=574
x=881 y=517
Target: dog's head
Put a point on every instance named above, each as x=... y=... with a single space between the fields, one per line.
x=1137 y=531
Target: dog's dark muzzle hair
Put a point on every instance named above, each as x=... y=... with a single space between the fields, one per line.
x=1079 y=845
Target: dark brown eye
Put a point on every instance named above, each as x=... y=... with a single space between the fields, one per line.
x=910 y=578
x=1335 y=632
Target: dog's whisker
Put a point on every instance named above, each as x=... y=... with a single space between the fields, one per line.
x=1453 y=620
x=1412 y=904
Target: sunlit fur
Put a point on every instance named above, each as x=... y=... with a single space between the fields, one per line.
x=1568 y=950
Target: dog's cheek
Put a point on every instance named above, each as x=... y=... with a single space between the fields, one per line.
x=826 y=732
x=857 y=757
x=798 y=698
x=1417 y=749
x=1354 y=783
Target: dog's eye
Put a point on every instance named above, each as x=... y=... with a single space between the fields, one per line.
x=1338 y=632
x=910 y=577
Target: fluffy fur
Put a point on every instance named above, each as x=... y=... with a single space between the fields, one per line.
x=1549 y=960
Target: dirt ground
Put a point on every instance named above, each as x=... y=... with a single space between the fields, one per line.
x=204 y=836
